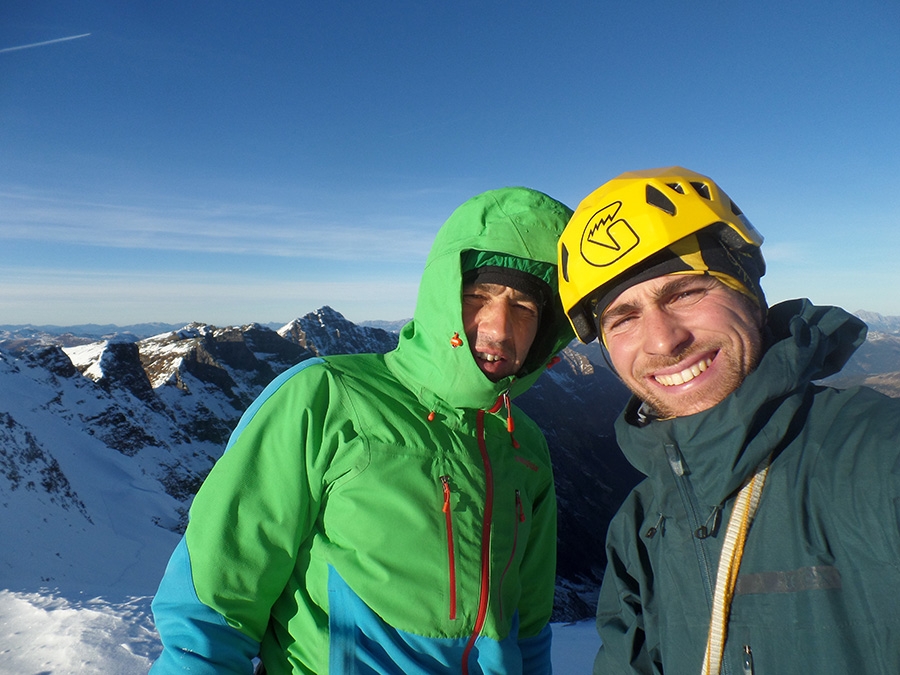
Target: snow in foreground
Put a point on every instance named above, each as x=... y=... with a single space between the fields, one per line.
x=44 y=634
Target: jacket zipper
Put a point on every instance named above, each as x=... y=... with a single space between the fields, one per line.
x=700 y=531
x=520 y=518
x=485 y=545
x=747 y=661
x=451 y=552
x=686 y=491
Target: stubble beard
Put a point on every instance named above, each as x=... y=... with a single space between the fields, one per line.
x=732 y=370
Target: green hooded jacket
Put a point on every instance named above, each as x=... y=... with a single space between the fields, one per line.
x=819 y=580
x=375 y=514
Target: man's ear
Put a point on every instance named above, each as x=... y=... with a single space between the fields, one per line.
x=763 y=313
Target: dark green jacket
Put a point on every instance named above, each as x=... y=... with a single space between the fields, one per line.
x=819 y=583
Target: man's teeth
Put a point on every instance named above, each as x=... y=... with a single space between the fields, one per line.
x=489 y=357
x=685 y=375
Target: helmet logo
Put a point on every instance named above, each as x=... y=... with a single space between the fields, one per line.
x=605 y=239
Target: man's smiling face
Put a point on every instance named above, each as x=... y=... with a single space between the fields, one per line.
x=682 y=343
x=500 y=324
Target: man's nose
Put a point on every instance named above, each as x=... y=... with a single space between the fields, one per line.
x=664 y=333
x=496 y=321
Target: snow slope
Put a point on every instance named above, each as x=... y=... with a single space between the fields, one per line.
x=41 y=633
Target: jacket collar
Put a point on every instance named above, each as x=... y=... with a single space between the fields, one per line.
x=721 y=446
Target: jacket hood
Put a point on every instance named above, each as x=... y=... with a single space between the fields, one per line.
x=430 y=359
x=721 y=446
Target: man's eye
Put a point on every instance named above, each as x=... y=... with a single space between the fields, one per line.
x=688 y=295
x=618 y=323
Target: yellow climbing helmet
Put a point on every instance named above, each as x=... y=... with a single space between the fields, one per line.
x=645 y=224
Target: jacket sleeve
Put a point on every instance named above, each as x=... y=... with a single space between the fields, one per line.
x=248 y=520
x=195 y=637
x=620 y=612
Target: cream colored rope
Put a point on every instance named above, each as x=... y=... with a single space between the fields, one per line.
x=742 y=515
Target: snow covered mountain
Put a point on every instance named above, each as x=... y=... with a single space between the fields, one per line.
x=103 y=444
x=879 y=323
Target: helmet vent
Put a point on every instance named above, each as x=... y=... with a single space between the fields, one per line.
x=735 y=210
x=702 y=189
x=677 y=187
x=659 y=200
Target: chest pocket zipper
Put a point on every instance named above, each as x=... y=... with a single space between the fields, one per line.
x=520 y=518
x=451 y=553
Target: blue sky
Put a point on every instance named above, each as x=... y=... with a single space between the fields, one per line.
x=232 y=162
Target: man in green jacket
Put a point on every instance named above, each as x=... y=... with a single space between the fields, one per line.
x=765 y=538
x=382 y=513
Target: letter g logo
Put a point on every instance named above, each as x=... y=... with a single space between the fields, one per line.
x=605 y=239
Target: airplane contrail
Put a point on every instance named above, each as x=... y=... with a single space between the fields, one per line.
x=41 y=44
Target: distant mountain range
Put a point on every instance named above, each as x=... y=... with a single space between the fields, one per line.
x=878 y=323
x=876 y=363
x=106 y=433
x=96 y=331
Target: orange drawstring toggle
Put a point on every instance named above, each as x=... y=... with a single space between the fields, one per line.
x=431 y=416
x=556 y=359
x=456 y=341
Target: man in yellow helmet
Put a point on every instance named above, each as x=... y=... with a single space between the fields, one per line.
x=766 y=536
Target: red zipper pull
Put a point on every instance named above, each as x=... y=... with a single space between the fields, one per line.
x=445 y=480
x=510 y=424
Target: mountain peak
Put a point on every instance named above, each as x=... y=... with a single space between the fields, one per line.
x=326 y=331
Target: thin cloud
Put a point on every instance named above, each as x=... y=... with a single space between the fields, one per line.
x=224 y=228
x=71 y=296
x=42 y=44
